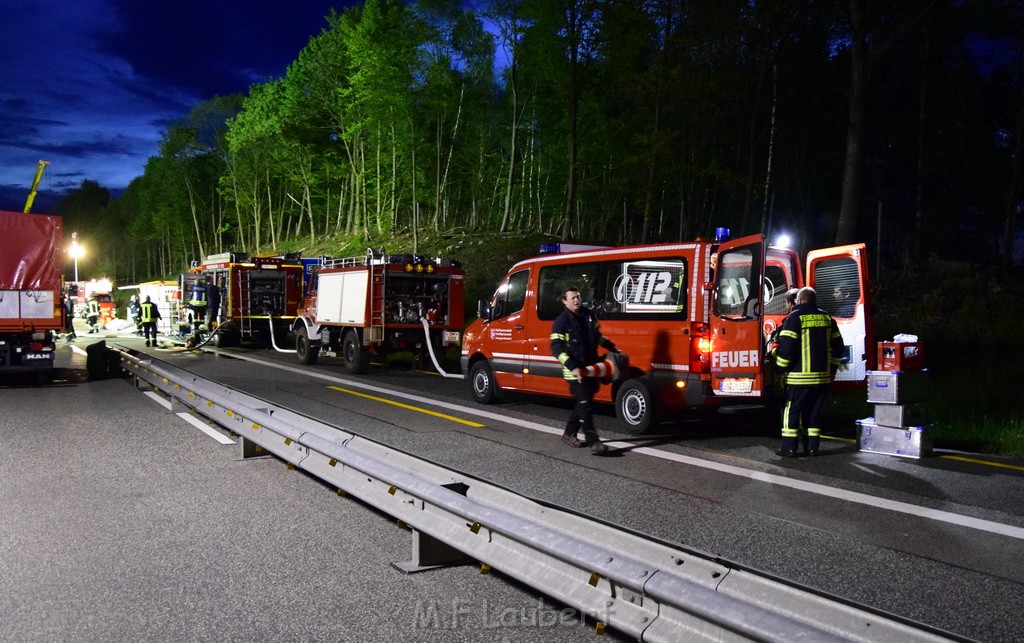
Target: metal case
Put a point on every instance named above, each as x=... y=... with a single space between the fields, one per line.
x=909 y=441
x=897 y=387
x=900 y=415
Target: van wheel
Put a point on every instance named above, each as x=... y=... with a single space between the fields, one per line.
x=634 y=406
x=304 y=348
x=482 y=384
x=354 y=356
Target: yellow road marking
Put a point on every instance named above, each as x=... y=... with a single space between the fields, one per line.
x=959 y=458
x=985 y=462
x=406 y=406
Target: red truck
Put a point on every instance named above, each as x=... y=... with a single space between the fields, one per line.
x=257 y=294
x=31 y=265
x=358 y=307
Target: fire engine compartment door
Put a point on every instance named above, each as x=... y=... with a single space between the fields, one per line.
x=342 y=296
x=737 y=344
x=839 y=276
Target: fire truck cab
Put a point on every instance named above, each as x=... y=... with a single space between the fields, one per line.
x=695 y=320
x=360 y=306
x=258 y=295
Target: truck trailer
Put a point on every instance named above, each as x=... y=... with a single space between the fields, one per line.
x=31 y=313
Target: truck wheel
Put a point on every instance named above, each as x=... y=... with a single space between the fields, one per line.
x=354 y=356
x=634 y=406
x=482 y=384
x=303 y=347
x=224 y=338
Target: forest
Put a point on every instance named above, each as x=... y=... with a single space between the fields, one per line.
x=898 y=123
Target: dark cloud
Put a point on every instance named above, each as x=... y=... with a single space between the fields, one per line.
x=91 y=85
x=209 y=48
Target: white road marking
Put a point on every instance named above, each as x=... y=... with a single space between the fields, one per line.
x=808 y=487
x=191 y=419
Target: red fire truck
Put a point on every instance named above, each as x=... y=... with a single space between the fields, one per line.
x=362 y=306
x=257 y=294
x=694 y=319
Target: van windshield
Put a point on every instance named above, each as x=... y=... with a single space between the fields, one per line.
x=511 y=295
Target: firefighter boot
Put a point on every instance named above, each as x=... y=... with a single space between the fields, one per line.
x=812 y=445
x=569 y=435
x=593 y=442
x=788 y=449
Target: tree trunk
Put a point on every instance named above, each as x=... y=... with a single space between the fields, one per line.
x=850 y=204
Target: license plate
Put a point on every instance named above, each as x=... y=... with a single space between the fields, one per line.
x=451 y=337
x=737 y=386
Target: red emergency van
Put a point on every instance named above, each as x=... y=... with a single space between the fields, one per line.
x=694 y=318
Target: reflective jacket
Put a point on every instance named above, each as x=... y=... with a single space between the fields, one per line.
x=148 y=312
x=198 y=295
x=810 y=347
x=574 y=340
x=93 y=308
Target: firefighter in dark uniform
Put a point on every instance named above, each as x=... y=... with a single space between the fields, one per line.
x=197 y=302
x=575 y=337
x=92 y=313
x=809 y=351
x=148 y=314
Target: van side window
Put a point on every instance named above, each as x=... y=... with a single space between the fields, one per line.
x=614 y=290
x=650 y=286
x=838 y=285
x=555 y=279
x=511 y=295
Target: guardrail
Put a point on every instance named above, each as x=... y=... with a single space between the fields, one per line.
x=644 y=588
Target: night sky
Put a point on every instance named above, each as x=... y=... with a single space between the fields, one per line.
x=90 y=85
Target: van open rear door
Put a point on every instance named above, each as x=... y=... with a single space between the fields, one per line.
x=839 y=276
x=737 y=344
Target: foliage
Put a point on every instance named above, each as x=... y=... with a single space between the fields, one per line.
x=612 y=121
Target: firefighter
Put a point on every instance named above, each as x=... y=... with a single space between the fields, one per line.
x=69 y=314
x=148 y=314
x=197 y=302
x=212 y=303
x=133 y=314
x=575 y=337
x=809 y=351
x=93 y=314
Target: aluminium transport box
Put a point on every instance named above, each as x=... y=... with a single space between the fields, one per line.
x=908 y=441
x=897 y=387
x=899 y=415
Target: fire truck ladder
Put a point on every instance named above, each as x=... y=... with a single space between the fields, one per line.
x=376 y=265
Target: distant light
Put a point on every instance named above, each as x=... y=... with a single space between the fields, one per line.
x=783 y=241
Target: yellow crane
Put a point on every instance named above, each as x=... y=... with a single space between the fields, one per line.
x=35 y=186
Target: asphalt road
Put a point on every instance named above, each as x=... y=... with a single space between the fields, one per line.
x=936 y=540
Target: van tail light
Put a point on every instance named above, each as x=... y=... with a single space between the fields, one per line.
x=700 y=354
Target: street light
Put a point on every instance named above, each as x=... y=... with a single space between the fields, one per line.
x=76 y=250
